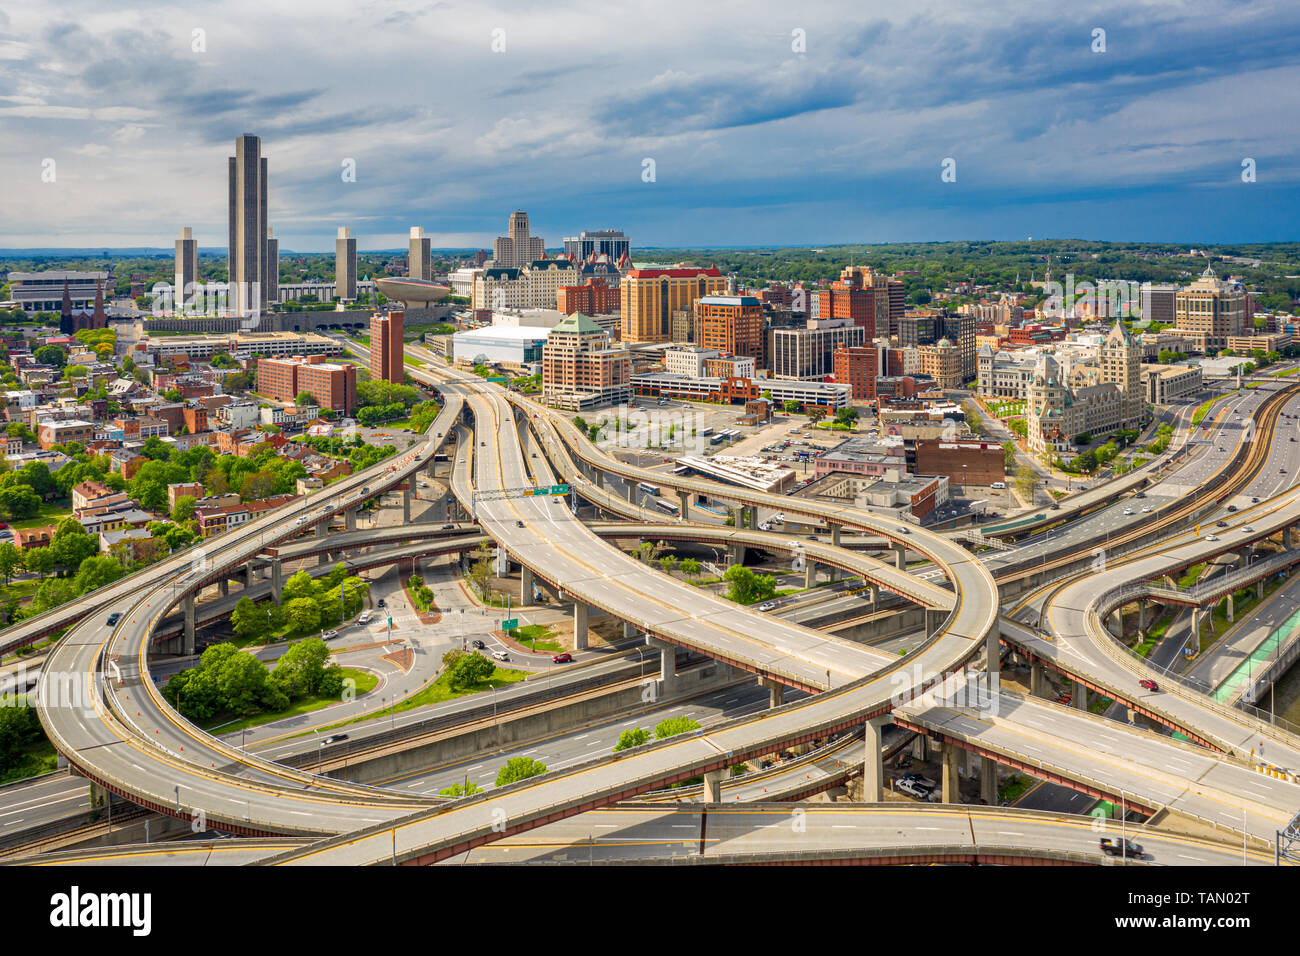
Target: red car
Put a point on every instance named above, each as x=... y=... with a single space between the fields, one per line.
x=1149 y=684
x=564 y=658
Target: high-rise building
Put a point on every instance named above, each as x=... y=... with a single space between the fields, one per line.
x=858 y=367
x=419 y=260
x=598 y=242
x=649 y=297
x=889 y=296
x=519 y=247
x=187 y=266
x=960 y=330
x=917 y=329
x=272 y=268
x=332 y=385
x=247 y=259
x=807 y=354
x=387 y=347
x=732 y=324
x=847 y=299
x=593 y=297
x=345 y=265
x=1121 y=363
x=580 y=370
x=1211 y=308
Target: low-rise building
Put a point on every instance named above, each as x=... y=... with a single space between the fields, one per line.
x=1171 y=384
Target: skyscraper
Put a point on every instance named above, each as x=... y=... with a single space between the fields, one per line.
x=247 y=215
x=598 y=242
x=187 y=256
x=519 y=248
x=419 y=262
x=272 y=268
x=345 y=265
x=650 y=297
x=386 y=347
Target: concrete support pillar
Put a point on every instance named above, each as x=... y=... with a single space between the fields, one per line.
x=599 y=479
x=1286 y=539
x=1080 y=696
x=933 y=618
x=873 y=769
x=775 y=691
x=1037 y=679
x=900 y=556
x=684 y=505
x=1259 y=590
x=224 y=587
x=874 y=595
x=989 y=781
x=809 y=572
x=1142 y=618
x=350 y=519
x=526 y=583
x=950 y=756
x=1195 y=642
x=187 y=604
x=406 y=506
x=835 y=535
x=919 y=747
x=713 y=786
x=249 y=571
x=992 y=653
x=1243 y=557
x=322 y=529
x=751 y=516
x=833 y=572
x=579 y=626
x=629 y=629
x=1231 y=607
x=277 y=579
x=323 y=559
x=736 y=554
x=667 y=664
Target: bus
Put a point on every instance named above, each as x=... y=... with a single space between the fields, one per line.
x=667 y=506
x=648 y=488
x=681 y=469
x=706 y=430
x=717 y=439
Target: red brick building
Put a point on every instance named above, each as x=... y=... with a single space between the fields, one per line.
x=593 y=297
x=333 y=386
x=732 y=324
x=859 y=367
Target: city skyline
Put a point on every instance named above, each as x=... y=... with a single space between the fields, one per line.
x=804 y=129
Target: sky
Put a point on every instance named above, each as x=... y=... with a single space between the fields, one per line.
x=685 y=124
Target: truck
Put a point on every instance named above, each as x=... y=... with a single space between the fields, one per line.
x=1120 y=848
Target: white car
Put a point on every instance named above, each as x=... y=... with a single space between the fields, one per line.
x=365 y=617
x=328 y=634
x=767 y=606
x=1248 y=528
x=1211 y=537
x=1128 y=511
x=1146 y=510
x=501 y=655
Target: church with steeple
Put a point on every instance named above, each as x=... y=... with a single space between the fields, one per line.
x=1058 y=410
x=70 y=322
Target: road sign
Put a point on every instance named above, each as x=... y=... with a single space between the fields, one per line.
x=510 y=624
x=541 y=491
x=559 y=489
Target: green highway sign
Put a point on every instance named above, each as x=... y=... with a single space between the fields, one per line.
x=559 y=489
x=510 y=624
x=541 y=491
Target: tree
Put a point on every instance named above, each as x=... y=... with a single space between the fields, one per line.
x=11 y=560
x=183 y=510
x=301 y=669
x=846 y=416
x=689 y=567
x=470 y=670
x=51 y=355
x=97 y=571
x=467 y=789
x=304 y=398
x=1008 y=454
x=1027 y=482
x=632 y=737
x=519 y=768
x=248 y=619
x=791 y=406
x=20 y=501
x=302 y=615
x=258 y=485
x=672 y=726
x=746 y=587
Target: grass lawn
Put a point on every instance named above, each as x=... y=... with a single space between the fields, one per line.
x=1203 y=409
x=438 y=691
x=365 y=682
x=1191 y=575
x=34 y=759
x=412 y=360
x=537 y=637
x=1013 y=787
x=50 y=513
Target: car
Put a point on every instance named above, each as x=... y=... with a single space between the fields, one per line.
x=1146 y=510
x=300 y=520
x=519 y=523
x=114 y=618
x=1065 y=698
x=1140 y=494
x=366 y=616
x=1120 y=847
x=1232 y=508
x=902 y=530
x=333 y=739
x=1248 y=528
x=1211 y=537
x=326 y=635
x=478 y=645
x=1254 y=501
x=501 y=655
x=913 y=789
x=1282 y=471
x=1221 y=524
x=381 y=603
x=767 y=606
x=460 y=461
x=1056 y=506
x=564 y=658
x=1128 y=511
x=482 y=444
x=1147 y=684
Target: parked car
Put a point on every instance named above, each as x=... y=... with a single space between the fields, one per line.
x=519 y=524
x=912 y=789
x=1148 y=684
x=1065 y=699
x=564 y=658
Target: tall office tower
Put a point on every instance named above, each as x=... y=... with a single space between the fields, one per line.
x=848 y=300
x=1159 y=303
x=890 y=295
x=1121 y=364
x=960 y=330
x=272 y=268
x=1212 y=308
x=419 y=260
x=187 y=267
x=598 y=242
x=519 y=248
x=247 y=216
x=732 y=324
x=650 y=297
x=345 y=265
x=386 y=347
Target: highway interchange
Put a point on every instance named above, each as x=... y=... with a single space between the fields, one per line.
x=111 y=723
